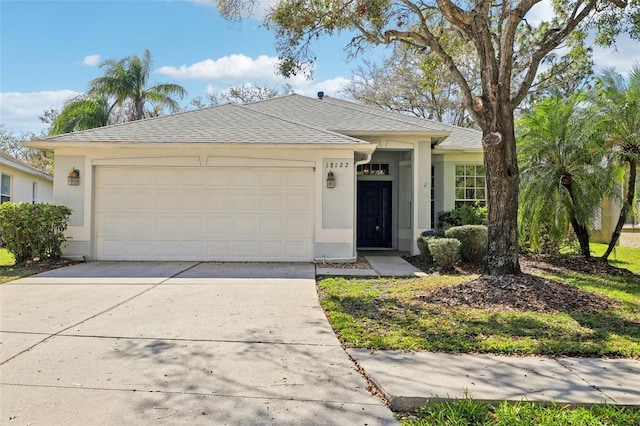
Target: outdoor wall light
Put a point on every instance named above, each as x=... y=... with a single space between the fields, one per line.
x=331 y=180
x=74 y=177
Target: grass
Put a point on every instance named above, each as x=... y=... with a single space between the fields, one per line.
x=387 y=314
x=470 y=412
x=9 y=271
x=6 y=258
x=622 y=257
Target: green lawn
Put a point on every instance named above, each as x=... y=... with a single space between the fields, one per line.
x=6 y=258
x=622 y=257
x=9 y=271
x=470 y=412
x=387 y=314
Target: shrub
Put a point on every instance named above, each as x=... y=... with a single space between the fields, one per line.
x=33 y=230
x=445 y=251
x=463 y=215
x=423 y=246
x=473 y=240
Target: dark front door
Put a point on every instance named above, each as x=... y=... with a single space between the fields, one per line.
x=374 y=214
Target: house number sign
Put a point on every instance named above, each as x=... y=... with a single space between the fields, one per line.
x=336 y=165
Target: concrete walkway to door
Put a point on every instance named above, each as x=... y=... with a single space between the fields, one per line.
x=115 y=343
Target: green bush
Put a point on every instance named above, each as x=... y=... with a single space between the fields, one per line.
x=423 y=246
x=33 y=230
x=473 y=240
x=445 y=251
x=463 y=215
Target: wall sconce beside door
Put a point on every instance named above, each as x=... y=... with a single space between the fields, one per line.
x=74 y=177
x=331 y=180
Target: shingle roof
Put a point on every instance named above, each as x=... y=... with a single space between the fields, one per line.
x=343 y=116
x=291 y=119
x=218 y=124
x=351 y=118
x=8 y=160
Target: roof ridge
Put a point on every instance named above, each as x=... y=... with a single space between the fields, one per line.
x=396 y=116
x=298 y=123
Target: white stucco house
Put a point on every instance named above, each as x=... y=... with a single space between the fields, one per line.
x=287 y=179
x=22 y=183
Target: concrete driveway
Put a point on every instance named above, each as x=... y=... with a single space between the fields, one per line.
x=175 y=343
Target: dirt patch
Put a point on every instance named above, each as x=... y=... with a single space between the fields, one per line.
x=361 y=263
x=527 y=292
x=523 y=292
x=43 y=265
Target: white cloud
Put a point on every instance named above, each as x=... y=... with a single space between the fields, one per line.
x=622 y=56
x=233 y=67
x=19 y=111
x=541 y=12
x=91 y=60
x=299 y=85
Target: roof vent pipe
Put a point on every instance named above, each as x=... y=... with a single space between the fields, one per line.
x=320 y=95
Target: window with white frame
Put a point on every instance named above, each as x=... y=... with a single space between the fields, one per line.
x=470 y=185
x=34 y=193
x=5 y=189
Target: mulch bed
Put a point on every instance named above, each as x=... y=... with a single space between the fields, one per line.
x=43 y=265
x=527 y=292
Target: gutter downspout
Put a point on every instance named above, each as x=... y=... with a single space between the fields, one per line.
x=366 y=160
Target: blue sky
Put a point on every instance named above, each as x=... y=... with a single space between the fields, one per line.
x=51 y=49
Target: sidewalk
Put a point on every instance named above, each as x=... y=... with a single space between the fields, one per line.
x=410 y=380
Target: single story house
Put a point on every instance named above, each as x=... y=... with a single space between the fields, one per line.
x=288 y=179
x=22 y=183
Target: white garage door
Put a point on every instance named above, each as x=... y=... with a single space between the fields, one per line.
x=175 y=213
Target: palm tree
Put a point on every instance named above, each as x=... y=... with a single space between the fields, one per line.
x=125 y=84
x=618 y=103
x=81 y=113
x=563 y=175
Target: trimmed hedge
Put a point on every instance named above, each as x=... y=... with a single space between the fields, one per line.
x=474 y=240
x=33 y=230
x=423 y=246
x=445 y=251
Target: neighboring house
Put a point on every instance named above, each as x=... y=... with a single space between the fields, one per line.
x=287 y=179
x=22 y=183
x=607 y=218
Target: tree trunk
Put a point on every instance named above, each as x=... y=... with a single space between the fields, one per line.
x=581 y=231
x=631 y=190
x=501 y=167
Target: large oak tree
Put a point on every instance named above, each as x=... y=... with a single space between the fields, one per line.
x=509 y=46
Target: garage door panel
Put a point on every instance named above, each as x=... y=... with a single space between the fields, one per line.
x=193 y=225
x=273 y=177
x=111 y=199
x=138 y=225
x=272 y=225
x=139 y=176
x=248 y=177
x=246 y=200
x=191 y=200
x=298 y=177
x=140 y=199
x=245 y=226
x=298 y=201
x=272 y=200
x=164 y=176
x=219 y=177
x=179 y=213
